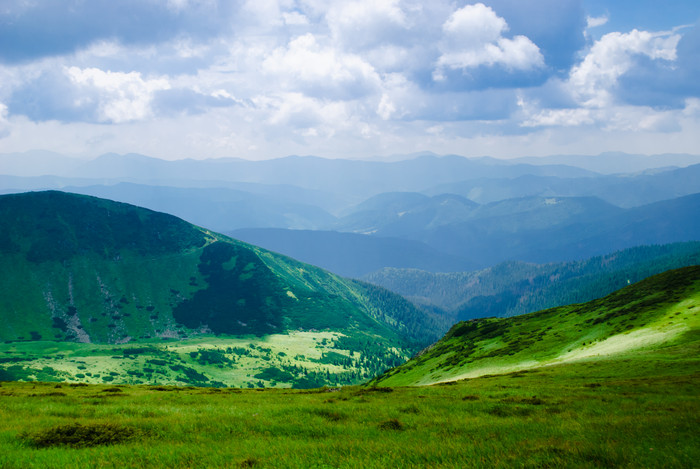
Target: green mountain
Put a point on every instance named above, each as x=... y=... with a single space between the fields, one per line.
x=86 y=279
x=658 y=312
x=513 y=288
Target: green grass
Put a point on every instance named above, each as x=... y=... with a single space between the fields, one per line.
x=637 y=410
x=300 y=359
x=661 y=310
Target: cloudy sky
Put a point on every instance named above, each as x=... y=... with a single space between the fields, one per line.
x=267 y=78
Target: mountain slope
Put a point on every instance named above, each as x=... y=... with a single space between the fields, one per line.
x=623 y=190
x=663 y=309
x=552 y=234
x=513 y=288
x=89 y=270
x=351 y=254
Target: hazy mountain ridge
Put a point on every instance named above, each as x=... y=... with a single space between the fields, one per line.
x=351 y=254
x=534 y=229
x=515 y=288
x=623 y=190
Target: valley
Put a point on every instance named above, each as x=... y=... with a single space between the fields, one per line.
x=349 y=234
x=542 y=330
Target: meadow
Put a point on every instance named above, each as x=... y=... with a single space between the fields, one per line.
x=634 y=410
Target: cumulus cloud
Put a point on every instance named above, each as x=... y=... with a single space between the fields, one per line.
x=120 y=97
x=611 y=57
x=279 y=76
x=366 y=23
x=593 y=85
x=320 y=71
x=474 y=37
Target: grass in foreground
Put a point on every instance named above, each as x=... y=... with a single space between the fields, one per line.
x=636 y=410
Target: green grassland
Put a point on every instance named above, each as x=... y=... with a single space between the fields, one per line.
x=659 y=311
x=634 y=410
x=615 y=386
x=300 y=359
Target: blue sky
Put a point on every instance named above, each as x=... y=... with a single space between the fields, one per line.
x=267 y=78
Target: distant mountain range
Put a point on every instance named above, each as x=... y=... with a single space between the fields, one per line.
x=467 y=236
x=423 y=211
x=336 y=185
x=513 y=288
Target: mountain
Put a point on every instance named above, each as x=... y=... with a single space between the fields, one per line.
x=616 y=162
x=457 y=235
x=659 y=312
x=356 y=180
x=37 y=163
x=405 y=214
x=623 y=190
x=558 y=229
x=219 y=209
x=81 y=270
x=351 y=254
x=416 y=216
x=513 y=288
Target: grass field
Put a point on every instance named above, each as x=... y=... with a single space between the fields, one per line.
x=661 y=310
x=299 y=358
x=635 y=410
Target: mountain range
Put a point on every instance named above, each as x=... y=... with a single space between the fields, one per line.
x=468 y=236
x=513 y=288
x=458 y=213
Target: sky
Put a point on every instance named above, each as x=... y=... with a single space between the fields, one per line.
x=261 y=79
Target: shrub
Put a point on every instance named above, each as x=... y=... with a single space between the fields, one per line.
x=76 y=435
x=391 y=424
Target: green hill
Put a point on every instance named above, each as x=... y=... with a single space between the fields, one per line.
x=657 y=312
x=87 y=279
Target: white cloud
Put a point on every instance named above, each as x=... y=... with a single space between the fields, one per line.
x=595 y=21
x=592 y=86
x=4 y=123
x=559 y=117
x=363 y=23
x=295 y=18
x=473 y=36
x=593 y=80
x=386 y=107
x=122 y=97
x=474 y=24
x=305 y=65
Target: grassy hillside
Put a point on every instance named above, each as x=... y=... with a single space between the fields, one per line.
x=634 y=410
x=89 y=271
x=658 y=312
